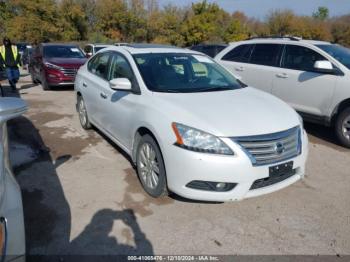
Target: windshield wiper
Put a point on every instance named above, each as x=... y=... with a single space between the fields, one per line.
x=167 y=91
x=212 y=89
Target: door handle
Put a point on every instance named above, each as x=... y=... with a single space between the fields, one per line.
x=103 y=95
x=282 y=75
x=239 y=69
x=84 y=84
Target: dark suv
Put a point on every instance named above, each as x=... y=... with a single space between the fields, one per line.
x=55 y=64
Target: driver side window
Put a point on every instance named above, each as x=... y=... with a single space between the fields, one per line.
x=99 y=65
x=120 y=68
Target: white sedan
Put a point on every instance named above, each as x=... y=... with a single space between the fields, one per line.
x=12 y=240
x=188 y=125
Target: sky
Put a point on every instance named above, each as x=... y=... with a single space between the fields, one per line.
x=260 y=8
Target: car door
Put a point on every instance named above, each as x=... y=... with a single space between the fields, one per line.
x=297 y=82
x=237 y=60
x=93 y=84
x=119 y=106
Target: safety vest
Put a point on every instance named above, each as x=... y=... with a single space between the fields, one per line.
x=14 y=52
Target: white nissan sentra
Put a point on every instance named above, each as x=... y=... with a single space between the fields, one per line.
x=188 y=125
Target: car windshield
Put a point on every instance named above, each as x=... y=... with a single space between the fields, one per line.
x=183 y=73
x=63 y=52
x=340 y=53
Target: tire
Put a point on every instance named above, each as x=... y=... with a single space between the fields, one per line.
x=45 y=85
x=82 y=112
x=342 y=127
x=34 y=81
x=150 y=167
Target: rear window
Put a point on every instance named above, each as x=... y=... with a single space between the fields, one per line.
x=266 y=54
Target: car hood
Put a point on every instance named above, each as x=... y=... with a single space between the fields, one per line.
x=241 y=112
x=70 y=62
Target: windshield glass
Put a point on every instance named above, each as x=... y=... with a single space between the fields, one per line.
x=340 y=53
x=63 y=52
x=183 y=73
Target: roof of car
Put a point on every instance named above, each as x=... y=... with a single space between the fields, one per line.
x=285 y=40
x=58 y=44
x=151 y=48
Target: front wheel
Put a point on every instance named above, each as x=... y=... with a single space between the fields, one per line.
x=150 y=167
x=342 y=127
x=83 y=116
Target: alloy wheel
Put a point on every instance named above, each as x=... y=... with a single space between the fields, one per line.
x=346 y=128
x=149 y=166
x=82 y=112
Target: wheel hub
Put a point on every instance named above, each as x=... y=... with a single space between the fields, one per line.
x=346 y=128
x=148 y=166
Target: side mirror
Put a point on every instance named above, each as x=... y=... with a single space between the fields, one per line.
x=324 y=67
x=123 y=84
x=11 y=107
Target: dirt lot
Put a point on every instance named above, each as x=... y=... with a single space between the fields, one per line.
x=81 y=196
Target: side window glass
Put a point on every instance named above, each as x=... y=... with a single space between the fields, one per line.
x=266 y=54
x=99 y=65
x=120 y=68
x=300 y=58
x=239 y=54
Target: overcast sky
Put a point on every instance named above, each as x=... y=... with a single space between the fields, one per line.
x=260 y=8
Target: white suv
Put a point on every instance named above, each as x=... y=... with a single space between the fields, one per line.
x=312 y=76
x=189 y=125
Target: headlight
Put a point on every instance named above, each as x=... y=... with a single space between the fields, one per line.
x=52 y=66
x=199 y=141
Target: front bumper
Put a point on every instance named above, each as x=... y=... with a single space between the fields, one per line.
x=58 y=78
x=183 y=166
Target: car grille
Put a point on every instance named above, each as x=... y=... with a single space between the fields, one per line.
x=69 y=71
x=271 y=148
x=269 y=181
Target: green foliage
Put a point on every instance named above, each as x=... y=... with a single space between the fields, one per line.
x=144 y=21
x=322 y=13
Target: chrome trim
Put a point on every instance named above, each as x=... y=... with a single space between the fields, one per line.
x=255 y=147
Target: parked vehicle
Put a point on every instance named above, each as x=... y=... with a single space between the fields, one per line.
x=27 y=54
x=55 y=64
x=121 y=44
x=312 y=76
x=189 y=126
x=91 y=49
x=12 y=240
x=209 y=49
x=22 y=46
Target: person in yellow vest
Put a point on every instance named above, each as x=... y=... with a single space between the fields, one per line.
x=10 y=60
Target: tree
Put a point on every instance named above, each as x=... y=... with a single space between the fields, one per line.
x=33 y=20
x=340 y=29
x=322 y=13
x=73 y=21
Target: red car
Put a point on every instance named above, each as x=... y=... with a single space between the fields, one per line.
x=55 y=64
